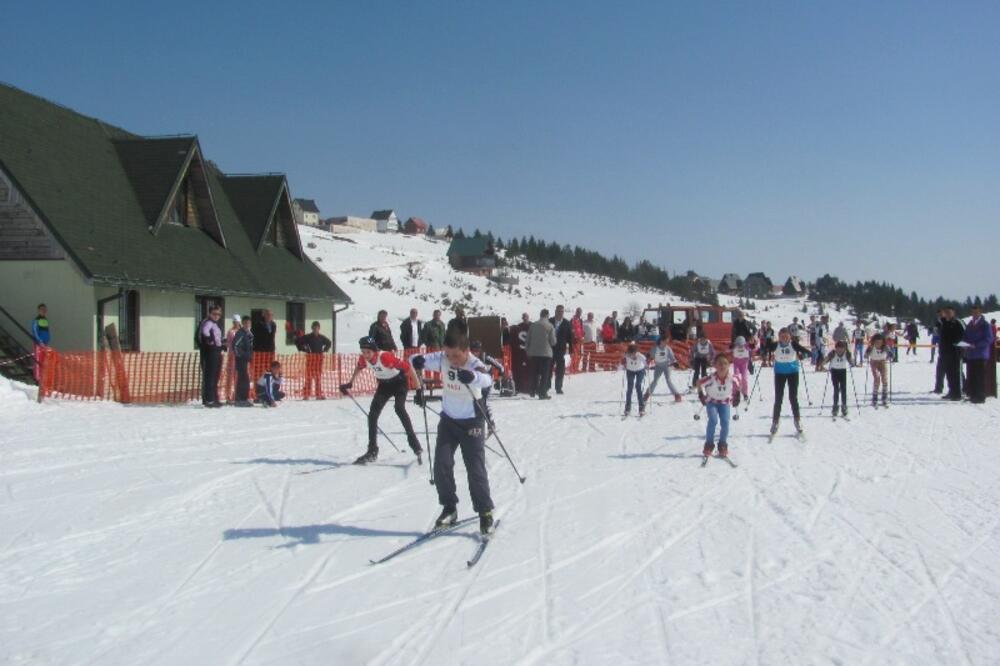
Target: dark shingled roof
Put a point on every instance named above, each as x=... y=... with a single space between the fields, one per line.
x=382 y=214
x=96 y=188
x=308 y=205
x=468 y=247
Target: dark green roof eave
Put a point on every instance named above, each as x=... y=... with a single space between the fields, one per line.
x=131 y=283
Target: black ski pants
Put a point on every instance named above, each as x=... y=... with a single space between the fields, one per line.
x=839 y=380
x=395 y=389
x=699 y=369
x=242 y=380
x=541 y=376
x=780 y=380
x=211 y=365
x=952 y=363
x=634 y=379
x=976 y=369
x=559 y=369
x=469 y=435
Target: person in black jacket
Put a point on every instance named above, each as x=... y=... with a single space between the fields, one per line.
x=741 y=328
x=315 y=345
x=381 y=333
x=411 y=331
x=564 y=341
x=243 y=350
x=950 y=358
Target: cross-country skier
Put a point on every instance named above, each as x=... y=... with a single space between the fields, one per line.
x=635 y=363
x=879 y=355
x=786 y=373
x=858 y=335
x=702 y=356
x=719 y=392
x=392 y=374
x=461 y=425
x=664 y=361
x=839 y=360
x=741 y=362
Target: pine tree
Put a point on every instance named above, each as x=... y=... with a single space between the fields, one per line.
x=430 y=231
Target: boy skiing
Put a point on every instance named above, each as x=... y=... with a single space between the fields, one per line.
x=635 y=364
x=879 y=355
x=702 y=356
x=719 y=393
x=858 y=335
x=786 y=373
x=392 y=374
x=664 y=360
x=461 y=425
x=741 y=362
x=839 y=361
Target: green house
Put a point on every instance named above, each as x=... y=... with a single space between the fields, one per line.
x=105 y=226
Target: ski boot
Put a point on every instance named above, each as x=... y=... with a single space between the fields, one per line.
x=875 y=399
x=709 y=447
x=370 y=456
x=843 y=411
x=486 y=524
x=774 y=427
x=678 y=397
x=448 y=517
x=723 y=450
x=645 y=396
x=885 y=399
x=798 y=426
x=834 y=412
x=417 y=450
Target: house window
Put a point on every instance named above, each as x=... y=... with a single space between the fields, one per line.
x=202 y=304
x=295 y=314
x=182 y=210
x=128 y=316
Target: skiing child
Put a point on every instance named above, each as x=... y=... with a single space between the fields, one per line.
x=269 y=391
x=635 y=364
x=858 y=335
x=461 y=426
x=839 y=360
x=741 y=362
x=392 y=374
x=878 y=356
x=664 y=360
x=702 y=356
x=786 y=373
x=719 y=393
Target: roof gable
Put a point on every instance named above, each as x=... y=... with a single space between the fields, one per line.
x=383 y=214
x=307 y=205
x=469 y=247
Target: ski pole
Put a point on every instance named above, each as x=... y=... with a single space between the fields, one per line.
x=802 y=372
x=348 y=394
x=752 y=391
x=890 y=381
x=823 y=401
x=697 y=414
x=427 y=433
x=855 y=389
x=488 y=447
x=486 y=416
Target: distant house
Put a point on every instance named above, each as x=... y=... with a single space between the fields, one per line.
x=730 y=284
x=414 y=226
x=708 y=283
x=757 y=285
x=105 y=226
x=793 y=286
x=385 y=221
x=472 y=255
x=306 y=212
x=358 y=223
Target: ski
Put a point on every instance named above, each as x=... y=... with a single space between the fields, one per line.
x=484 y=541
x=704 y=461
x=731 y=463
x=425 y=537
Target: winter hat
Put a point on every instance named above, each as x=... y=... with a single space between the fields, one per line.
x=368 y=343
x=740 y=340
x=238 y=319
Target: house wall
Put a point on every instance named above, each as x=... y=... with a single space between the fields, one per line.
x=58 y=284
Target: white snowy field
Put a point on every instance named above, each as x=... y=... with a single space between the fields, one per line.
x=179 y=535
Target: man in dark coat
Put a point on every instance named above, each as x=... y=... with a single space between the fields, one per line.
x=979 y=338
x=410 y=331
x=381 y=333
x=741 y=328
x=950 y=357
x=564 y=341
x=243 y=351
x=315 y=345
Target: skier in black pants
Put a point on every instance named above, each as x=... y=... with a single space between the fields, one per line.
x=462 y=425
x=702 y=356
x=786 y=372
x=839 y=360
x=391 y=373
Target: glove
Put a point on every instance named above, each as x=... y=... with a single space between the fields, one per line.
x=702 y=398
x=344 y=388
x=418 y=362
x=418 y=398
x=736 y=400
x=466 y=376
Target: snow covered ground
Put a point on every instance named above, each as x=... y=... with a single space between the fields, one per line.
x=179 y=536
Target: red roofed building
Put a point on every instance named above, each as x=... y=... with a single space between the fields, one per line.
x=414 y=226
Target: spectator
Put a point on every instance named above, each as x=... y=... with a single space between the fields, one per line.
x=381 y=333
x=519 y=360
x=979 y=338
x=741 y=329
x=230 y=357
x=840 y=334
x=564 y=342
x=935 y=332
x=410 y=331
x=269 y=391
x=577 y=324
x=912 y=335
x=626 y=332
x=608 y=331
x=243 y=350
x=589 y=335
x=315 y=345
x=616 y=324
x=459 y=320
x=540 y=342
x=210 y=355
x=265 y=332
x=41 y=336
x=504 y=332
x=433 y=332
x=949 y=357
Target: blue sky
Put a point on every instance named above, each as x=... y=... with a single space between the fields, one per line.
x=859 y=139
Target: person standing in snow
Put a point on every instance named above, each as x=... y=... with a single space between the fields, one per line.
x=461 y=426
x=590 y=330
x=410 y=331
x=634 y=364
x=912 y=335
x=719 y=392
x=315 y=345
x=979 y=336
x=243 y=352
x=615 y=323
x=380 y=332
x=702 y=356
x=879 y=355
x=540 y=342
x=433 y=332
x=392 y=374
x=231 y=357
x=741 y=328
x=210 y=356
x=949 y=356
x=608 y=331
x=564 y=342
x=41 y=337
x=840 y=334
x=839 y=361
x=664 y=361
x=787 y=352
x=741 y=362
x=858 y=335
x=519 y=359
